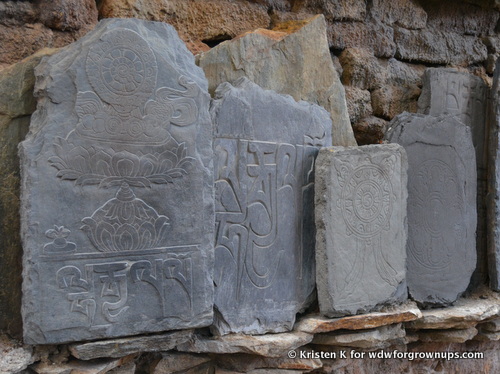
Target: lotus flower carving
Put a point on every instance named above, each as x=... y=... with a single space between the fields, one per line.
x=126 y=223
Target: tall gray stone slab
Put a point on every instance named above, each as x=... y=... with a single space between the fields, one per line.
x=117 y=189
x=441 y=205
x=265 y=145
x=464 y=96
x=360 y=203
x=493 y=197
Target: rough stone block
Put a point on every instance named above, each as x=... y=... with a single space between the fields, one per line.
x=439 y=47
x=404 y=13
x=360 y=198
x=463 y=95
x=370 y=130
x=265 y=145
x=291 y=59
x=441 y=205
x=343 y=10
x=117 y=189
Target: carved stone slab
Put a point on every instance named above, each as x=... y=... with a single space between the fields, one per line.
x=462 y=95
x=493 y=200
x=441 y=205
x=264 y=261
x=117 y=197
x=360 y=197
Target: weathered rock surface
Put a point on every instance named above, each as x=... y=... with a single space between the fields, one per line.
x=370 y=130
x=14 y=357
x=404 y=13
x=126 y=346
x=173 y=362
x=441 y=205
x=463 y=314
x=439 y=47
x=99 y=366
x=243 y=363
x=285 y=60
x=269 y=345
x=380 y=337
x=359 y=103
x=342 y=10
x=492 y=200
x=122 y=109
x=196 y=21
x=454 y=93
x=360 y=204
x=265 y=145
x=447 y=336
x=42 y=24
x=375 y=37
x=16 y=105
x=389 y=101
x=317 y=324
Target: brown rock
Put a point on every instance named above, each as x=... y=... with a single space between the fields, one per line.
x=172 y=362
x=16 y=13
x=439 y=47
x=16 y=105
x=362 y=69
x=464 y=314
x=34 y=37
x=343 y=10
x=285 y=60
x=67 y=14
x=405 y=13
x=129 y=368
x=126 y=346
x=389 y=101
x=245 y=362
x=491 y=326
x=398 y=314
x=460 y=17
x=447 y=336
x=100 y=366
x=270 y=345
x=373 y=36
x=358 y=103
x=370 y=130
x=195 y=20
x=380 y=337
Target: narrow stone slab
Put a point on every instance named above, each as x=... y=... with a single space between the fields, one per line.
x=375 y=338
x=173 y=362
x=317 y=324
x=294 y=59
x=270 y=345
x=441 y=205
x=125 y=346
x=360 y=198
x=117 y=189
x=265 y=145
x=243 y=363
x=463 y=314
x=447 y=336
x=464 y=96
x=493 y=199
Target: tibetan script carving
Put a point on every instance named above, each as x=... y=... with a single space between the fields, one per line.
x=125 y=165
x=265 y=148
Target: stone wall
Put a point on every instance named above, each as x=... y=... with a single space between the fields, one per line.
x=380 y=51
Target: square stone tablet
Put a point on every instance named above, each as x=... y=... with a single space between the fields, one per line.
x=360 y=197
x=117 y=189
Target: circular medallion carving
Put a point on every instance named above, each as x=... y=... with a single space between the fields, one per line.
x=367 y=201
x=122 y=68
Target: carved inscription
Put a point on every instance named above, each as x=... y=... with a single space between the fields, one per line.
x=438 y=215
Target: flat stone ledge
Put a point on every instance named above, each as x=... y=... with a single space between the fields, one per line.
x=270 y=345
x=317 y=324
x=466 y=313
x=122 y=347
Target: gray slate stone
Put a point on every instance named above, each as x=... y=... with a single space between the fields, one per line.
x=265 y=148
x=493 y=197
x=463 y=95
x=441 y=205
x=360 y=198
x=117 y=189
